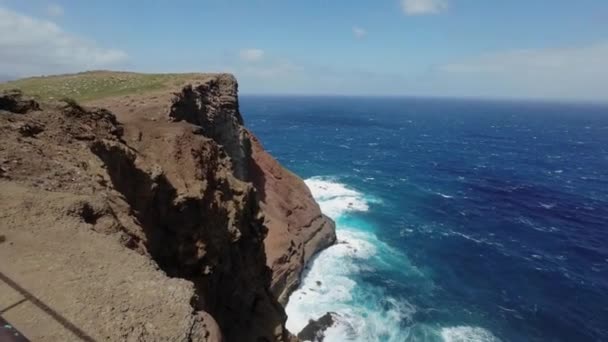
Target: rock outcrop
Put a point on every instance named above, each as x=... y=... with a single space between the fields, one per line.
x=14 y=102
x=213 y=106
x=314 y=331
x=152 y=219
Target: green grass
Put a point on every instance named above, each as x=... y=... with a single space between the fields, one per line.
x=93 y=85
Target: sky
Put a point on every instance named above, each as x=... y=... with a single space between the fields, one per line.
x=550 y=49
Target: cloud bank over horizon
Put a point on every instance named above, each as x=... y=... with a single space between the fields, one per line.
x=418 y=47
x=31 y=46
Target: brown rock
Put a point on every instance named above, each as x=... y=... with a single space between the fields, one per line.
x=136 y=222
x=14 y=101
x=296 y=227
x=196 y=164
x=30 y=129
x=213 y=106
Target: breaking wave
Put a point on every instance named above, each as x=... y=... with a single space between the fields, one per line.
x=333 y=281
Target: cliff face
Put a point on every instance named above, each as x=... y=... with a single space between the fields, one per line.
x=213 y=106
x=94 y=200
x=296 y=228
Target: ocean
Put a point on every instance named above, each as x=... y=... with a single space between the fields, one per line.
x=457 y=220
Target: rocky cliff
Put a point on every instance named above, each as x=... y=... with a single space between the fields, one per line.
x=296 y=228
x=152 y=219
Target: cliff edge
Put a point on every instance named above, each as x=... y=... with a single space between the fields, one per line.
x=149 y=215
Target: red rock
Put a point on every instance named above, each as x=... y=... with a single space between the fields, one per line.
x=296 y=227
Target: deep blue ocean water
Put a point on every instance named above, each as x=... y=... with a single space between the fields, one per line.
x=458 y=220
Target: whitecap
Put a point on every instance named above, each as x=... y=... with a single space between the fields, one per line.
x=405 y=232
x=330 y=274
x=470 y=238
x=330 y=282
x=547 y=205
x=336 y=199
x=467 y=334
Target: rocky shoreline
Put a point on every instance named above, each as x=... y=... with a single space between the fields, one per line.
x=151 y=216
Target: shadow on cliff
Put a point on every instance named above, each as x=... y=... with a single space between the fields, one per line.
x=188 y=238
x=140 y=191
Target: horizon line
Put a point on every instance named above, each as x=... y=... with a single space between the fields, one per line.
x=571 y=101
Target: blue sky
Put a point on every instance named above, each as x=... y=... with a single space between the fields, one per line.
x=469 y=48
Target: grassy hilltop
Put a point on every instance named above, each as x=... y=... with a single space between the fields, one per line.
x=94 y=85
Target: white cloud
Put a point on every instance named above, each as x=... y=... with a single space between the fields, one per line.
x=31 y=46
x=591 y=58
x=359 y=32
x=575 y=72
x=55 y=10
x=251 y=55
x=421 y=7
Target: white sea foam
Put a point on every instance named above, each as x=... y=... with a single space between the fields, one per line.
x=547 y=205
x=329 y=284
x=335 y=198
x=467 y=334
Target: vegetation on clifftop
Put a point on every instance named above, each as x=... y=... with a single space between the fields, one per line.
x=94 y=85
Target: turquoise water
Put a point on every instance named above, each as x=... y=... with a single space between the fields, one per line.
x=456 y=220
